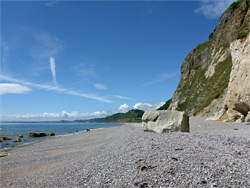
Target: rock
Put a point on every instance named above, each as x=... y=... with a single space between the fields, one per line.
x=88 y=129
x=165 y=121
x=3 y=137
x=37 y=134
x=51 y=134
x=217 y=115
x=19 y=136
x=18 y=140
x=234 y=115
x=3 y=154
x=247 y=118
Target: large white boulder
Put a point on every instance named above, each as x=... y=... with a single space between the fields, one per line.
x=165 y=121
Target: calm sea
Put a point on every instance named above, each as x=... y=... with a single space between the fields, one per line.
x=60 y=129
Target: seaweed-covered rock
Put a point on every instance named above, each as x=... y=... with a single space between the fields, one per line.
x=18 y=140
x=51 y=134
x=16 y=137
x=37 y=134
x=88 y=129
x=3 y=137
x=3 y=154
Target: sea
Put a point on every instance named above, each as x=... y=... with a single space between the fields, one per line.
x=60 y=129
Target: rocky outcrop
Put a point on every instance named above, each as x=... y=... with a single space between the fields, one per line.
x=37 y=134
x=215 y=76
x=165 y=121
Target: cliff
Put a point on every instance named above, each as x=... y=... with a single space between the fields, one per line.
x=215 y=76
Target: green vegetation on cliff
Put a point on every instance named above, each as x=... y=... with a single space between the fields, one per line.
x=235 y=5
x=166 y=105
x=202 y=90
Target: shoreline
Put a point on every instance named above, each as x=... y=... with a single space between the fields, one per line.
x=127 y=156
x=40 y=139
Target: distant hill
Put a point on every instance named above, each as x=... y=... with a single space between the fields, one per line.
x=134 y=115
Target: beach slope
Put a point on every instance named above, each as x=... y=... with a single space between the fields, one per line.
x=212 y=154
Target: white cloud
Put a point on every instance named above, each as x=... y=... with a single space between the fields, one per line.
x=53 y=69
x=55 y=88
x=10 y=88
x=54 y=116
x=124 y=108
x=64 y=115
x=148 y=106
x=100 y=86
x=213 y=9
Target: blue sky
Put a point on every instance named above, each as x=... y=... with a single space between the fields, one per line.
x=85 y=59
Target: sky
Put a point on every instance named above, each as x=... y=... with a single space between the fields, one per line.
x=66 y=60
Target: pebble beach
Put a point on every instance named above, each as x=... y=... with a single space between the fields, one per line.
x=213 y=154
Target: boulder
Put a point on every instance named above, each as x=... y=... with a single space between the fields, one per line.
x=37 y=134
x=165 y=121
x=88 y=129
x=51 y=134
x=18 y=140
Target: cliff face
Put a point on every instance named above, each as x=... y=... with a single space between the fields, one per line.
x=215 y=76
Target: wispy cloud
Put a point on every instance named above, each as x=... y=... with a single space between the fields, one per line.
x=160 y=78
x=123 y=97
x=55 y=88
x=85 y=70
x=46 y=45
x=51 y=3
x=10 y=88
x=100 y=86
x=213 y=8
x=53 y=69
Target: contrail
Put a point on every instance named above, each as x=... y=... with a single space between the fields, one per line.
x=53 y=69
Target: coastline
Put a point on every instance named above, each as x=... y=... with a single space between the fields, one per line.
x=211 y=154
x=68 y=129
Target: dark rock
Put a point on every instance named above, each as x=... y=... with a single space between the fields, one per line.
x=37 y=134
x=88 y=129
x=3 y=137
x=18 y=140
x=51 y=134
